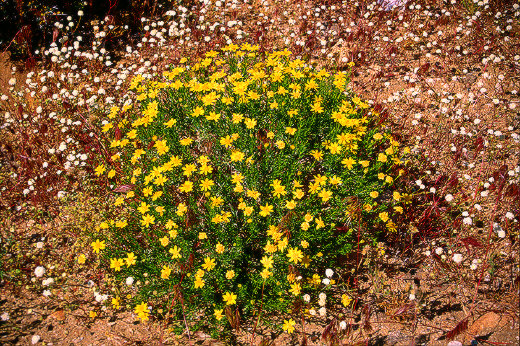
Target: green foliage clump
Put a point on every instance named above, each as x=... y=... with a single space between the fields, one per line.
x=242 y=178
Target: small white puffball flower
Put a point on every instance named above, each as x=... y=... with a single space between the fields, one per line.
x=457 y=258
x=449 y=197
x=322 y=296
x=329 y=272
x=129 y=281
x=47 y=293
x=312 y=312
x=501 y=233
x=39 y=245
x=47 y=282
x=326 y=281
x=439 y=251
x=80 y=13
x=307 y=298
x=343 y=325
x=467 y=221
x=39 y=271
x=412 y=296
x=322 y=311
x=4 y=317
x=510 y=215
x=35 y=339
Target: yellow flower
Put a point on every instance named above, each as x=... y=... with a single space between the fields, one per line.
x=325 y=195
x=181 y=209
x=142 y=311
x=165 y=272
x=130 y=259
x=98 y=245
x=230 y=274
x=290 y=204
x=253 y=194
x=383 y=216
x=164 y=241
x=265 y=273
x=348 y=162
x=304 y=244
x=115 y=303
x=278 y=188
x=382 y=157
x=345 y=300
x=295 y=255
x=81 y=259
x=266 y=210
x=175 y=252
x=237 y=155
x=209 y=263
x=203 y=235
x=267 y=262
x=187 y=186
x=188 y=169
x=250 y=123
x=186 y=141
x=374 y=194
x=92 y=314
x=160 y=209
x=295 y=289
x=206 y=184
x=398 y=209
x=116 y=263
x=148 y=220
x=288 y=326
x=290 y=130
x=100 y=169
x=377 y=136
x=280 y=144
x=230 y=298
x=219 y=248
x=237 y=118
x=218 y=314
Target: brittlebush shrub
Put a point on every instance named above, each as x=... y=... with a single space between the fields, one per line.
x=242 y=177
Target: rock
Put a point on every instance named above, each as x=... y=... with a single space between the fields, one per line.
x=484 y=325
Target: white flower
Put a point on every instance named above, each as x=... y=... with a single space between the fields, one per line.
x=501 y=233
x=39 y=271
x=130 y=281
x=307 y=298
x=449 y=197
x=326 y=281
x=343 y=325
x=467 y=220
x=510 y=215
x=322 y=296
x=4 y=317
x=47 y=282
x=457 y=258
x=329 y=272
x=46 y=293
x=35 y=339
x=323 y=311
x=80 y=13
x=439 y=251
